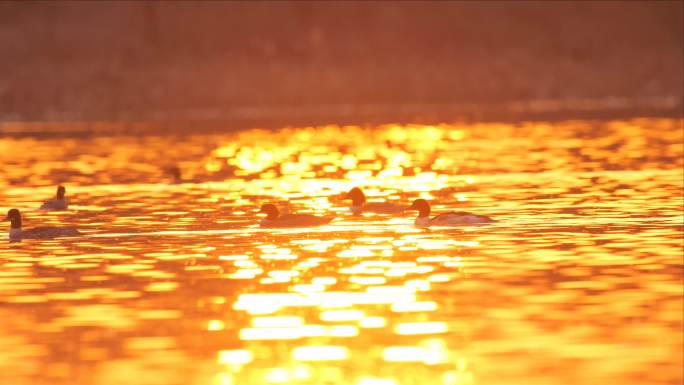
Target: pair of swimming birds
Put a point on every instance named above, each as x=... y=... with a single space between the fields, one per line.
x=57 y=203
x=359 y=206
x=273 y=216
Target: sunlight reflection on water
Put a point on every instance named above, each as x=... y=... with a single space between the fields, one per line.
x=579 y=282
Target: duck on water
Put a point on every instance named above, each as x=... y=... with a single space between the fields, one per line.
x=359 y=204
x=16 y=232
x=453 y=218
x=275 y=219
x=59 y=202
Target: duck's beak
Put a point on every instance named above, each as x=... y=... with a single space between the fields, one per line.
x=7 y=218
x=412 y=207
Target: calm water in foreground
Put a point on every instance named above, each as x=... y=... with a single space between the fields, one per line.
x=579 y=283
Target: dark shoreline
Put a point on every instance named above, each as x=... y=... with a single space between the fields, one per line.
x=274 y=118
x=233 y=65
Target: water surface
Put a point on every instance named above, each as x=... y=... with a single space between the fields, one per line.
x=580 y=281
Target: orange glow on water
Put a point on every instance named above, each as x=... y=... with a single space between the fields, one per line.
x=320 y=353
x=578 y=282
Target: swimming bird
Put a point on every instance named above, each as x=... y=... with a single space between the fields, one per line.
x=175 y=173
x=274 y=219
x=47 y=232
x=59 y=202
x=359 y=204
x=176 y=176
x=454 y=218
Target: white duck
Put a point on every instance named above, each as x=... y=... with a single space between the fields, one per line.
x=453 y=218
x=359 y=204
x=274 y=219
x=47 y=232
x=59 y=202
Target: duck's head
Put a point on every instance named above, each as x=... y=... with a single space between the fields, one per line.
x=422 y=206
x=175 y=173
x=270 y=210
x=60 y=192
x=357 y=196
x=14 y=217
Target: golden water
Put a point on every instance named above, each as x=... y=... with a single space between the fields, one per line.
x=580 y=281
